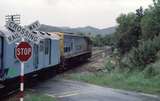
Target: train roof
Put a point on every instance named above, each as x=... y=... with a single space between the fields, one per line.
x=48 y=35
x=73 y=34
x=5 y=33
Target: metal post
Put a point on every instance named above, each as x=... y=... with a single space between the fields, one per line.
x=22 y=82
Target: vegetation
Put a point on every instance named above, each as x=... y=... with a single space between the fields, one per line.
x=99 y=41
x=37 y=97
x=129 y=30
x=138 y=44
x=138 y=37
x=129 y=81
x=30 y=96
x=145 y=54
x=146 y=81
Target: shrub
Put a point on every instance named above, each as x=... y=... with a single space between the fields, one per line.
x=152 y=69
x=110 y=64
x=125 y=63
x=145 y=54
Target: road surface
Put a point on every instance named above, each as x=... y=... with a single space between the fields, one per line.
x=66 y=90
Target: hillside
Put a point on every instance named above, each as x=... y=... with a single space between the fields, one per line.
x=85 y=30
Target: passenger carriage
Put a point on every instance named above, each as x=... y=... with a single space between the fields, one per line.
x=44 y=56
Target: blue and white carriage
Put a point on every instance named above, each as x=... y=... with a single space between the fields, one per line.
x=46 y=54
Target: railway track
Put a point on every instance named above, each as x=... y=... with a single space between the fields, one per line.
x=98 y=53
x=9 y=92
x=5 y=92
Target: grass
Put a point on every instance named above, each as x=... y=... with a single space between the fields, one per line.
x=129 y=81
x=38 y=97
x=30 y=96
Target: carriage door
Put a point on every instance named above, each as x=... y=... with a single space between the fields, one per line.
x=47 y=52
x=35 y=56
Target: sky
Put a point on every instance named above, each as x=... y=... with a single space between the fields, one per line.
x=70 y=13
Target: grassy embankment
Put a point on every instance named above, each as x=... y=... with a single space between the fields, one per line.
x=30 y=96
x=135 y=80
x=38 y=97
x=128 y=81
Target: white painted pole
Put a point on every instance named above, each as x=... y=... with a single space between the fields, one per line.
x=22 y=82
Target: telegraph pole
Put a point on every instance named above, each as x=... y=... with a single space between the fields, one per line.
x=15 y=18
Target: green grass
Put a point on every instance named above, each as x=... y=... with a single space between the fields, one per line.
x=129 y=81
x=30 y=96
x=38 y=97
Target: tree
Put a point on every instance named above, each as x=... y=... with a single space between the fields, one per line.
x=151 y=21
x=97 y=40
x=100 y=40
x=129 y=30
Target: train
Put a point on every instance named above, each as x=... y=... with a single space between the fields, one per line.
x=50 y=54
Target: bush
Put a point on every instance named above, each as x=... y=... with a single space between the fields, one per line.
x=110 y=64
x=152 y=69
x=125 y=63
x=145 y=54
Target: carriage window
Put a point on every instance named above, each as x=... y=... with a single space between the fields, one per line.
x=35 y=56
x=41 y=46
x=78 y=47
x=15 y=53
x=67 y=49
x=47 y=46
x=64 y=49
x=72 y=45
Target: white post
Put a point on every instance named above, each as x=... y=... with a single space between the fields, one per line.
x=22 y=82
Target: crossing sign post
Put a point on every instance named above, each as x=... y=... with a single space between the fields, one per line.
x=23 y=54
x=24 y=49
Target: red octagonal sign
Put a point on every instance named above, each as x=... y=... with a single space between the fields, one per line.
x=23 y=51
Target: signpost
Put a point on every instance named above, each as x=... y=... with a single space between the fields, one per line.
x=24 y=49
x=34 y=26
x=23 y=54
x=23 y=32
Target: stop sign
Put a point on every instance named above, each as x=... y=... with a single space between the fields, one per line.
x=23 y=51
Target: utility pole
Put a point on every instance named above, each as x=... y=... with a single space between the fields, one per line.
x=15 y=18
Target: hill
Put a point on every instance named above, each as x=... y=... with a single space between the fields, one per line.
x=88 y=29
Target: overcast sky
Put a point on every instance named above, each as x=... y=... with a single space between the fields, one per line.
x=72 y=13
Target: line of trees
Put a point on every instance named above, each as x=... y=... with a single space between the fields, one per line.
x=138 y=36
x=100 y=40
